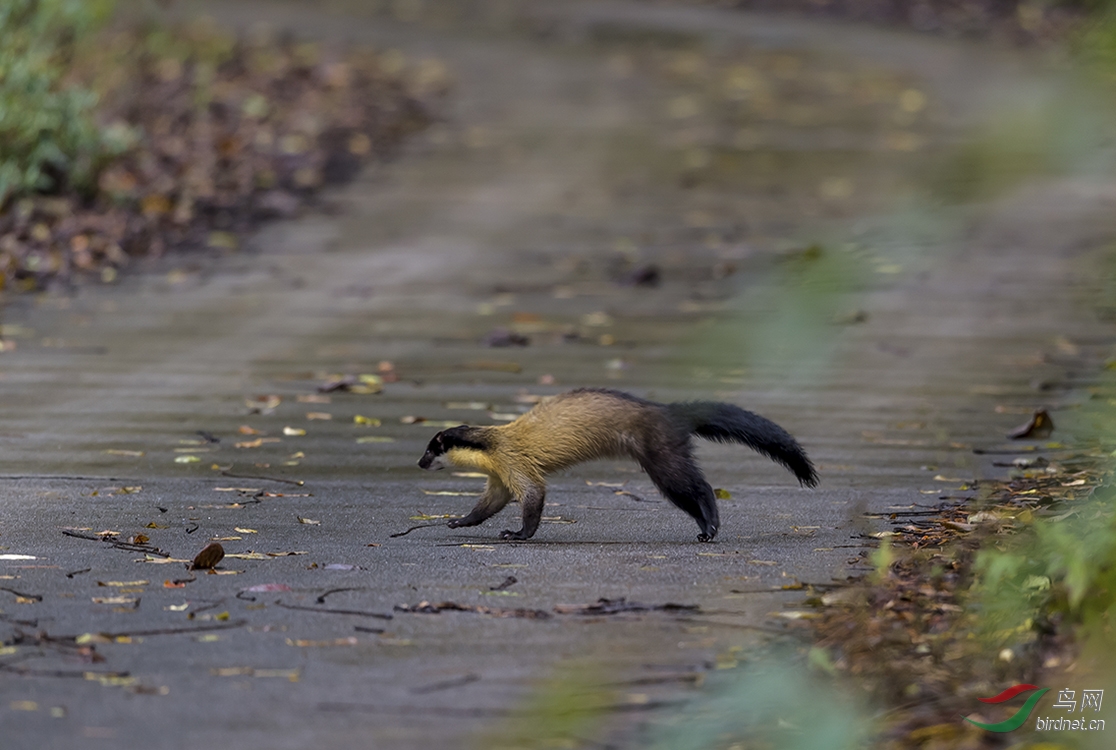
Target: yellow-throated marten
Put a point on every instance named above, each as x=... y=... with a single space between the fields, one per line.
x=592 y=423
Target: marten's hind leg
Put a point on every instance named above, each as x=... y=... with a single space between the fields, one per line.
x=495 y=497
x=680 y=480
x=533 y=501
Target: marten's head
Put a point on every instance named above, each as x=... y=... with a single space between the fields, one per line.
x=463 y=438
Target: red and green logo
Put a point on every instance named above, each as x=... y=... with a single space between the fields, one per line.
x=1019 y=717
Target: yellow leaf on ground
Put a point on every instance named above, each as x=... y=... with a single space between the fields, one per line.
x=350 y=641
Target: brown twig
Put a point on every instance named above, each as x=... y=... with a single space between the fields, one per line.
x=321 y=599
x=295 y=482
x=364 y=629
x=63 y=477
x=36 y=597
x=420 y=526
x=509 y=581
x=30 y=672
x=359 y=613
x=176 y=631
x=427 y=608
x=461 y=681
x=127 y=546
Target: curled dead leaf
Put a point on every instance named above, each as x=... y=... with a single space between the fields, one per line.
x=1038 y=427
x=208 y=558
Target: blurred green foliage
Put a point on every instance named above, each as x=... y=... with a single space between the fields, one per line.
x=563 y=709
x=772 y=703
x=783 y=698
x=48 y=135
x=788 y=329
x=1061 y=569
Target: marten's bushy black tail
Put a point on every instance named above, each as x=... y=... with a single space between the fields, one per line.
x=727 y=423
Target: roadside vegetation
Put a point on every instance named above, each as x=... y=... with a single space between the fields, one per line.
x=125 y=137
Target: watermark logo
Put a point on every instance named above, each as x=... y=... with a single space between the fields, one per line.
x=1067 y=701
x=1019 y=717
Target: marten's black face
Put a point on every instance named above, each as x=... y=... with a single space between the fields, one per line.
x=446 y=440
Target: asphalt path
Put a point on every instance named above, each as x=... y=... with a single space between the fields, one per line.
x=172 y=404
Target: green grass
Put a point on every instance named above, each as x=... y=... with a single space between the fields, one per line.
x=49 y=138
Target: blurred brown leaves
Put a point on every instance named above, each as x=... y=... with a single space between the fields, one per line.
x=224 y=131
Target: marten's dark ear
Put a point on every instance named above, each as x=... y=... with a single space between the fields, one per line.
x=437 y=445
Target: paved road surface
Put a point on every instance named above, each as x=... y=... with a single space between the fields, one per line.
x=576 y=146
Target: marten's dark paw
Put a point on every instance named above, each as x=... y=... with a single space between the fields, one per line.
x=703 y=537
x=455 y=523
x=509 y=534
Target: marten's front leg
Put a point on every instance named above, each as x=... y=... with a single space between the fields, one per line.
x=533 y=500
x=495 y=497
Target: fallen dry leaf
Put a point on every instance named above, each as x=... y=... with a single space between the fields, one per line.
x=263 y=404
x=114 y=600
x=1038 y=427
x=350 y=641
x=256 y=443
x=268 y=587
x=208 y=558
